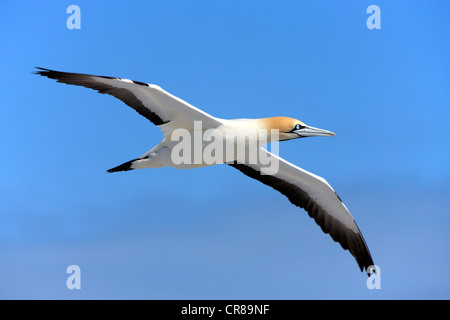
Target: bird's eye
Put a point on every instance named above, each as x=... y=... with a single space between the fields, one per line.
x=298 y=127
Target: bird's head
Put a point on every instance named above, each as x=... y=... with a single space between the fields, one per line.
x=290 y=128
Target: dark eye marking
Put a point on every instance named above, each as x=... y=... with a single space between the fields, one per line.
x=297 y=127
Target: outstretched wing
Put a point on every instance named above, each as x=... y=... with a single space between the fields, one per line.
x=316 y=196
x=150 y=101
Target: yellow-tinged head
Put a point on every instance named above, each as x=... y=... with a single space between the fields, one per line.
x=290 y=128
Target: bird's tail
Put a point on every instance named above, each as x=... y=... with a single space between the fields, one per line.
x=124 y=166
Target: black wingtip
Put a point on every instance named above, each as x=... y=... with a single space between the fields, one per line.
x=46 y=72
x=40 y=71
x=370 y=270
x=123 y=167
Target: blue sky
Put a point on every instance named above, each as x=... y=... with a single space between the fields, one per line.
x=213 y=233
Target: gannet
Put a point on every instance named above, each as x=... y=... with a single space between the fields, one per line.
x=170 y=113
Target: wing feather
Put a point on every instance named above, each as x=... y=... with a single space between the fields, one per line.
x=319 y=200
x=150 y=101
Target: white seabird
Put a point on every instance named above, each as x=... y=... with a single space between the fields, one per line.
x=170 y=113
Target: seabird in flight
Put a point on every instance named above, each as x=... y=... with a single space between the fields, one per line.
x=170 y=114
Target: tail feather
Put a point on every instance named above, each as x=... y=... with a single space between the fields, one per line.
x=124 y=166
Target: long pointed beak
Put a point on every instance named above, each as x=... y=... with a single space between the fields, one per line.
x=313 y=132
